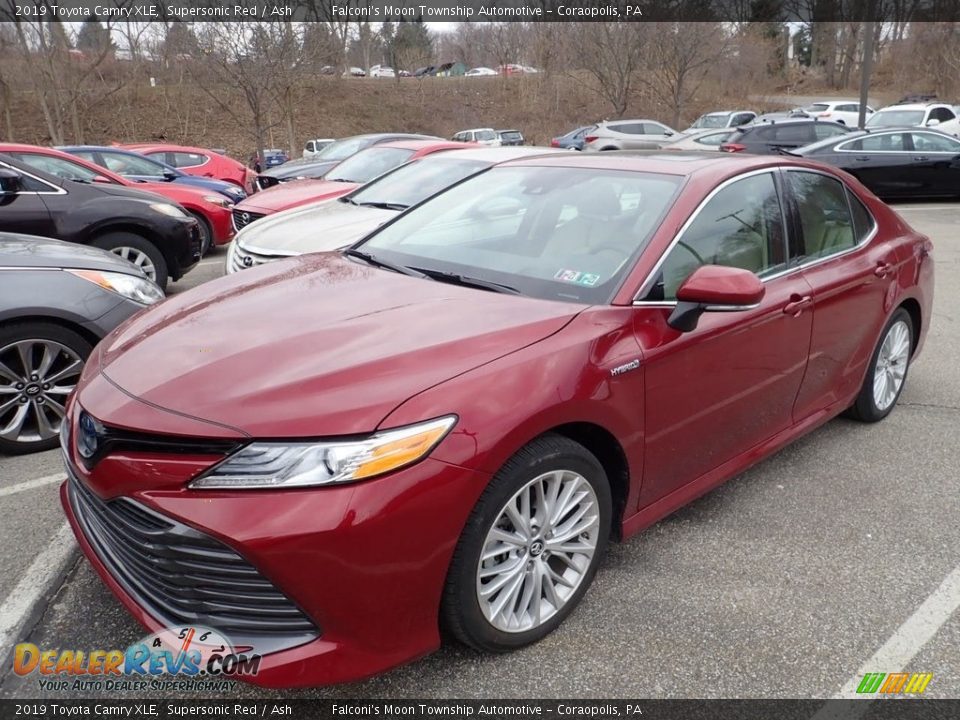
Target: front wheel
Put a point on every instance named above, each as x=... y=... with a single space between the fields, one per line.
x=887 y=372
x=139 y=251
x=530 y=548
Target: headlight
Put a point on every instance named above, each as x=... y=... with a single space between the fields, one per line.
x=167 y=209
x=286 y=465
x=218 y=200
x=138 y=289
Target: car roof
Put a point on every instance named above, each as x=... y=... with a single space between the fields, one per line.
x=788 y=123
x=913 y=106
x=628 y=120
x=168 y=147
x=100 y=148
x=474 y=130
x=420 y=145
x=499 y=154
x=398 y=135
x=18 y=147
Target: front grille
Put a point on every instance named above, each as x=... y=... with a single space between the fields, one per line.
x=242 y=218
x=244 y=259
x=182 y=576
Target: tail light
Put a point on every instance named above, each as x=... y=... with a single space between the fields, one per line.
x=590 y=138
x=554 y=143
x=733 y=147
x=824 y=114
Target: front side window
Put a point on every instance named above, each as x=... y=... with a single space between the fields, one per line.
x=366 y=165
x=741 y=226
x=549 y=232
x=932 y=142
x=124 y=164
x=825 y=219
x=887 y=142
x=484 y=135
x=793 y=133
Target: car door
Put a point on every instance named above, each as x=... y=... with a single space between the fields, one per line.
x=850 y=278
x=881 y=161
x=935 y=159
x=656 y=133
x=24 y=210
x=731 y=383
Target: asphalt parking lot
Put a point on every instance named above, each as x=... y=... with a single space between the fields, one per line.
x=838 y=556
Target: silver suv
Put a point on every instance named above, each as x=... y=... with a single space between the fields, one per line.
x=627 y=135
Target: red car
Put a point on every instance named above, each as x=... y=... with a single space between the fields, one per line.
x=348 y=175
x=200 y=162
x=211 y=209
x=443 y=425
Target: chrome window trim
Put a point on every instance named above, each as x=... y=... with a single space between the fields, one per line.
x=56 y=190
x=813 y=262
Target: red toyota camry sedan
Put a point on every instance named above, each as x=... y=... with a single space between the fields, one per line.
x=331 y=459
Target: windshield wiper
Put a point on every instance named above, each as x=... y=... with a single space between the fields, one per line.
x=348 y=199
x=457 y=279
x=383 y=205
x=377 y=262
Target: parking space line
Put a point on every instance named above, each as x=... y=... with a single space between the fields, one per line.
x=30 y=484
x=37 y=581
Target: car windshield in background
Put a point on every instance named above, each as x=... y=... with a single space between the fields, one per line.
x=710 y=122
x=895 y=118
x=342 y=149
x=548 y=232
x=415 y=182
x=511 y=135
x=816 y=108
x=365 y=166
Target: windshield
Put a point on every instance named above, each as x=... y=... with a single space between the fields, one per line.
x=486 y=135
x=365 y=166
x=417 y=181
x=816 y=108
x=711 y=121
x=894 y=118
x=556 y=233
x=342 y=149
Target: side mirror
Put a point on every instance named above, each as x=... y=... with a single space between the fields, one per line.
x=714 y=288
x=668 y=133
x=933 y=122
x=10 y=181
x=169 y=175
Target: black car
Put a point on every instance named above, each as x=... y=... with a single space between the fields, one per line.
x=58 y=300
x=510 y=137
x=895 y=162
x=770 y=138
x=154 y=234
x=329 y=157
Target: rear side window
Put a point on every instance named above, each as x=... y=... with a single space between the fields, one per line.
x=825 y=220
x=931 y=142
x=793 y=133
x=825 y=131
x=184 y=159
x=310 y=146
x=862 y=219
x=888 y=142
x=942 y=114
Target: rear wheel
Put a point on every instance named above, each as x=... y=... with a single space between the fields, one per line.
x=139 y=251
x=40 y=364
x=887 y=372
x=530 y=548
x=206 y=234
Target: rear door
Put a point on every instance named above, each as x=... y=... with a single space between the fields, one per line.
x=935 y=162
x=881 y=161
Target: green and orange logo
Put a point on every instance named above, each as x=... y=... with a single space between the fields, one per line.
x=894 y=683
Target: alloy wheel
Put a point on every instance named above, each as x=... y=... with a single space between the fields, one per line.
x=891 y=367
x=138 y=258
x=36 y=376
x=538 y=551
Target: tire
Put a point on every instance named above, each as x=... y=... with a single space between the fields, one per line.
x=879 y=396
x=31 y=409
x=605 y=149
x=549 y=462
x=139 y=251
x=206 y=233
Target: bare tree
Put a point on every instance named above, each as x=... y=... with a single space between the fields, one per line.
x=611 y=53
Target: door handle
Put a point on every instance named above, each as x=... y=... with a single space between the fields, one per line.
x=883 y=269
x=921 y=158
x=797 y=305
x=862 y=158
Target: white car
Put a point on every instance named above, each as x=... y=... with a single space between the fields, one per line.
x=627 y=135
x=484 y=136
x=312 y=148
x=354 y=72
x=845 y=112
x=333 y=224
x=480 y=72
x=382 y=71
x=939 y=115
x=721 y=119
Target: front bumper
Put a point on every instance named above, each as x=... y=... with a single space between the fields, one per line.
x=366 y=562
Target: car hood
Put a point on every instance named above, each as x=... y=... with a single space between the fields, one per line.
x=292 y=169
x=314 y=346
x=293 y=194
x=39 y=252
x=323 y=226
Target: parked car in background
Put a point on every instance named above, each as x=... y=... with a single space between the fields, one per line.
x=448 y=421
x=134 y=166
x=771 y=138
x=895 y=163
x=156 y=235
x=58 y=301
x=627 y=135
x=845 y=112
x=354 y=72
x=348 y=175
x=312 y=148
x=482 y=136
x=510 y=137
x=332 y=224
x=709 y=140
x=329 y=157
x=382 y=71
x=573 y=140
x=939 y=115
x=274 y=157
x=199 y=162
x=510 y=69
x=211 y=210
x=780 y=116
x=721 y=119
x=480 y=72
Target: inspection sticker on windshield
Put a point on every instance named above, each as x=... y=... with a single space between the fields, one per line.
x=574 y=276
